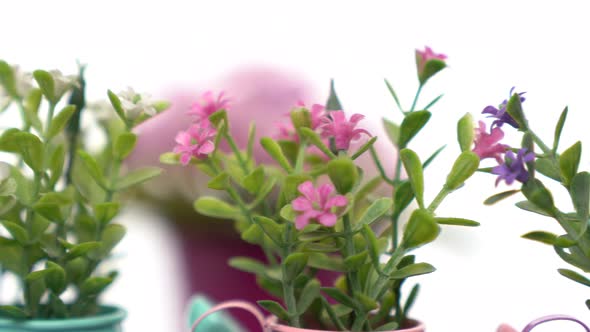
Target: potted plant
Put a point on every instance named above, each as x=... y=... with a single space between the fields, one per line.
x=533 y=164
x=58 y=200
x=316 y=212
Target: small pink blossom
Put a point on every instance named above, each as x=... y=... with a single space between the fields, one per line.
x=506 y=328
x=487 y=145
x=317 y=112
x=343 y=131
x=424 y=56
x=286 y=132
x=316 y=204
x=207 y=105
x=196 y=142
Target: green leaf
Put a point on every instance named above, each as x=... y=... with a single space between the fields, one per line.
x=343 y=173
x=341 y=297
x=541 y=236
x=580 y=194
x=575 y=276
x=333 y=103
x=13 y=312
x=255 y=180
x=56 y=164
x=60 y=120
x=116 y=102
x=31 y=109
x=456 y=222
x=124 y=145
x=433 y=156
x=421 y=229
x=355 y=262
x=431 y=67
x=499 y=196
x=569 y=162
x=137 y=176
x=559 y=128
x=11 y=256
x=392 y=130
x=24 y=187
x=46 y=83
x=413 y=167
x=412 y=270
x=372 y=246
x=105 y=212
x=56 y=278
x=402 y=198
x=271 y=228
x=310 y=293
x=274 y=308
x=514 y=108
x=18 y=233
x=364 y=148
x=31 y=148
x=377 y=209
x=111 y=236
x=7 y=78
x=536 y=193
x=294 y=265
x=92 y=167
x=326 y=262
x=76 y=269
x=411 y=298
x=9 y=141
x=463 y=168
x=7 y=187
x=332 y=314
x=170 y=158
x=393 y=94
x=219 y=182
x=94 y=286
x=82 y=249
x=213 y=207
x=434 y=101
x=411 y=125
x=367 y=303
x=247 y=264
x=548 y=168
x=465 y=132
x=530 y=207
x=316 y=140
x=274 y=150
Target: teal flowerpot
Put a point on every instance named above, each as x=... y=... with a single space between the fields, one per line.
x=109 y=319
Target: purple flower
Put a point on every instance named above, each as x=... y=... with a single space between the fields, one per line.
x=513 y=167
x=500 y=114
x=317 y=204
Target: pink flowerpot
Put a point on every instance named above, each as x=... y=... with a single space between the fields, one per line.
x=270 y=324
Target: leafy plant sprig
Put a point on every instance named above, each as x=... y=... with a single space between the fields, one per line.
x=535 y=163
x=312 y=211
x=58 y=200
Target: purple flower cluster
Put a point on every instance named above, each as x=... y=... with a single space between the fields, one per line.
x=487 y=145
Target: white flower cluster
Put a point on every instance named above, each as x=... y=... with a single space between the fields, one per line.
x=135 y=104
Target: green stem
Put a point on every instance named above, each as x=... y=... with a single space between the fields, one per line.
x=444 y=192
x=540 y=143
x=380 y=166
x=234 y=147
x=416 y=98
x=288 y=289
x=300 y=158
x=49 y=120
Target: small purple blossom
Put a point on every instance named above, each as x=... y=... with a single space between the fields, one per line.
x=343 y=131
x=196 y=142
x=500 y=114
x=317 y=204
x=513 y=167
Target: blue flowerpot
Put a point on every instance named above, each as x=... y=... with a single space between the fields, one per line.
x=107 y=320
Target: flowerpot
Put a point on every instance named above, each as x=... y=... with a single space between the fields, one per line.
x=108 y=319
x=269 y=324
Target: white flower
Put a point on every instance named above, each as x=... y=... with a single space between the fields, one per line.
x=135 y=104
x=23 y=81
x=62 y=83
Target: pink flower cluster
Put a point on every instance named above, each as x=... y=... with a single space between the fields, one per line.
x=316 y=204
x=197 y=140
x=331 y=125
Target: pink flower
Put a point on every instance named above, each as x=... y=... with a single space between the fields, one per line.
x=317 y=112
x=424 y=56
x=486 y=145
x=286 y=132
x=196 y=142
x=343 y=131
x=207 y=105
x=316 y=204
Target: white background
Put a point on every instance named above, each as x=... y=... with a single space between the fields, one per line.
x=485 y=276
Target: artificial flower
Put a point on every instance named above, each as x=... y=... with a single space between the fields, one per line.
x=135 y=104
x=317 y=204
x=500 y=114
x=513 y=167
x=335 y=125
x=422 y=57
x=196 y=142
x=487 y=145
x=208 y=104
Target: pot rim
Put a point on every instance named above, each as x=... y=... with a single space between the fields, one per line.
x=107 y=315
x=273 y=323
